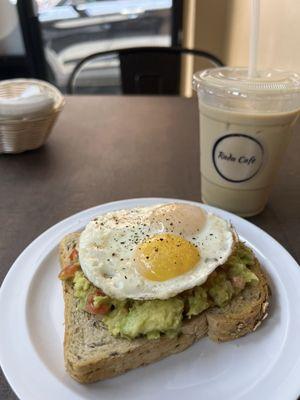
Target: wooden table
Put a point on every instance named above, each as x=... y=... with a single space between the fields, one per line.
x=110 y=148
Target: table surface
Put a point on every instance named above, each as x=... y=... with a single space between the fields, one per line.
x=111 y=148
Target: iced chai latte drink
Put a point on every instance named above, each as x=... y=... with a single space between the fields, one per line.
x=245 y=126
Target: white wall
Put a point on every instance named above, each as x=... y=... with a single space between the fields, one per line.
x=205 y=27
x=222 y=27
x=279 y=34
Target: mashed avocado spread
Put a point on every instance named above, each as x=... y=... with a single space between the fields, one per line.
x=151 y=318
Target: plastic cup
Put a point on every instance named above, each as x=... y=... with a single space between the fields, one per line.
x=245 y=127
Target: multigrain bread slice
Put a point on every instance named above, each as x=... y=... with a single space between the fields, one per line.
x=91 y=353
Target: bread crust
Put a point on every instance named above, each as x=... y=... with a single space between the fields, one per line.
x=91 y=353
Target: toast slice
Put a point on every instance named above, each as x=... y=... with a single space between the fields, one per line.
x=91 y=353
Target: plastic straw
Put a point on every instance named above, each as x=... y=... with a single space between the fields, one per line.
x=254 y=32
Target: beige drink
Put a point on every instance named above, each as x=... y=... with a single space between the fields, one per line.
x=245 y=127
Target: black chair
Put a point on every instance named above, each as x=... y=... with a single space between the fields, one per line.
x=141 y=70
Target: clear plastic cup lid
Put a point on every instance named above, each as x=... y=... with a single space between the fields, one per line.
x=271 y=91
x=230 y=80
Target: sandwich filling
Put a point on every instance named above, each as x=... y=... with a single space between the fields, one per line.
x=130 y=318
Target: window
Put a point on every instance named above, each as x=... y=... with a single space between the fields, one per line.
x=74 y=29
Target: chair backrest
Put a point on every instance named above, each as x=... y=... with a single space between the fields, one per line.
x=141 y=70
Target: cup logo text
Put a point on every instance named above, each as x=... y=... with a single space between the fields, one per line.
x=237 y=157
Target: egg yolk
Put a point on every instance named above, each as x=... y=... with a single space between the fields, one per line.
x=180 y=219
x=165 y=256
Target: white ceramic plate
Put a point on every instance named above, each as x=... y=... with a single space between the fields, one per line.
x=263 y=365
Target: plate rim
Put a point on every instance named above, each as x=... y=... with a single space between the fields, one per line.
x=73 y=220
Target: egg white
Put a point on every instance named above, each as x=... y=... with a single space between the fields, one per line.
x=108 y=243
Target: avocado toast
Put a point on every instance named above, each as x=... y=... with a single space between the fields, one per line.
x=232 y=303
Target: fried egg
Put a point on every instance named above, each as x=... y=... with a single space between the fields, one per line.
x=154 y=252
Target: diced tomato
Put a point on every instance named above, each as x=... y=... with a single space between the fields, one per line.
x=89 y=307
x=238 y=282
x=99 y=292
x=102 y=309
x=74 y=255
x=69 y=271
